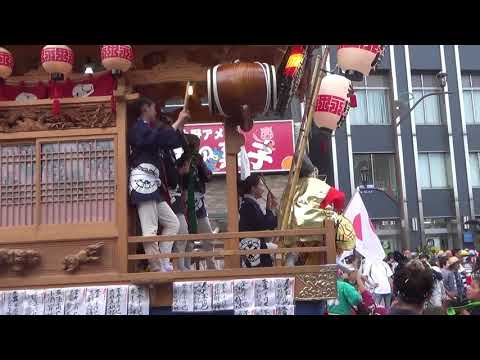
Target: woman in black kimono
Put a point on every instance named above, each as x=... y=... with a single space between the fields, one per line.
x=255 y=217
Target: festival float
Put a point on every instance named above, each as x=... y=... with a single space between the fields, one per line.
x=68 y=237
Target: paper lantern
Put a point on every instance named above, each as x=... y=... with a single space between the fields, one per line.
x=6 y=63
x=332 y=101
x=294 y=61
x=117 y=57
x=361 y=58
x=57 y=59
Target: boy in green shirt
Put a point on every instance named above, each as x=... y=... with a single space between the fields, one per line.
x=347 y=298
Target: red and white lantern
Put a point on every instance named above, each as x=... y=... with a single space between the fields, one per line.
x=359 y=58
x=117 y=57
x=6 y=63
x=332 y=101
x=57 y=59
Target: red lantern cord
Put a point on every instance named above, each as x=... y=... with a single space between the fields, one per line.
x=113 y=99
x=56 y=91
x=352 y=97
x=2 y=84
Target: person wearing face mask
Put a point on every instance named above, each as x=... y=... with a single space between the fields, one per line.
x=255 y=217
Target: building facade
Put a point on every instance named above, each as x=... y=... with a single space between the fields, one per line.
x=429 y=164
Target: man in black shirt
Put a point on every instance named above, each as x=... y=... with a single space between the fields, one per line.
x=195 y=182
x=147 y=187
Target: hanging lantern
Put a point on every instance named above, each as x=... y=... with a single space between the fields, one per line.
x=294 y=61
x=6 y=68
x=117 y=57
x=57 y=60
x=332 y=101
x=6 y=63
x=358 y=60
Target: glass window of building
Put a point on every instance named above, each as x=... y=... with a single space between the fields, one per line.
x=471 y=98
x=441 y=232
x=475 y=169
x=381 y=171
x=388 y=231
x=427 y=112
x=435 y=170
x=373 y=101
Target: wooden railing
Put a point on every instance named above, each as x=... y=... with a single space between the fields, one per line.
x=327 y=233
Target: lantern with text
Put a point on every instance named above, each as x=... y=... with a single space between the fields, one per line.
x=117 y=58
x=57 y=60
x=6 y=67
x=358 y=60
x=332 y=102
x=294 y=61
x=6 y=63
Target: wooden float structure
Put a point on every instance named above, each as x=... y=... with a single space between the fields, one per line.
x=49 y=218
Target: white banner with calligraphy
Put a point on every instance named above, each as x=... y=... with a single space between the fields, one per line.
x=264 y=296
x=99 y=300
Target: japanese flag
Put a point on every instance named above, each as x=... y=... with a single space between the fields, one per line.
x=368 y=244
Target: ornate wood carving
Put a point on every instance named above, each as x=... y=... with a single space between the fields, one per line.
x=18 y=260
x=71 y=263
x=80 y=117
x=317 y=286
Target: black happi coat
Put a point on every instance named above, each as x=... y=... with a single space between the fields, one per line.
x=253 y=219
x=146 y=166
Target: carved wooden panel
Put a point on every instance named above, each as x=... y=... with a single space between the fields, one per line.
x=38 y=119
x=317 y=286
x=53 y=254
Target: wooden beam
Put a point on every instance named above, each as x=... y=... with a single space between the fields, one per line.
x=229 y=235
x=222 y=253
x=121 y=250
x=69 y=280
x=63 y=134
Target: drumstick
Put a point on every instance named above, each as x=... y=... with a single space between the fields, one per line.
x=266 y=186
x=188 y=94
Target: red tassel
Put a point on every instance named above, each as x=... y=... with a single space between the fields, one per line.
x=353 y=101
x=56 y=107
x=2 y=82
x=114 y=104
x=114 y=100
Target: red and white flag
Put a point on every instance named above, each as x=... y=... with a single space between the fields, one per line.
x=368 y=244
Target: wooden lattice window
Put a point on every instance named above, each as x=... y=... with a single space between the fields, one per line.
x=77 y=182
x=17 y=184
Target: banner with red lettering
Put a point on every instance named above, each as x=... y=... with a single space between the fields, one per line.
x=269 y=145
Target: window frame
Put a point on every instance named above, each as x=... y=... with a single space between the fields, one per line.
x=394 y=192
x=448 y=179
x=477 y=153
x=100 y=227
x=470 y=89
x=426 y=90
x=388 y=92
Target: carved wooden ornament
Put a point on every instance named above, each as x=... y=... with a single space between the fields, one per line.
x=71 y=263
x=81 y=117
x=18 y=260
x=317 y=286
